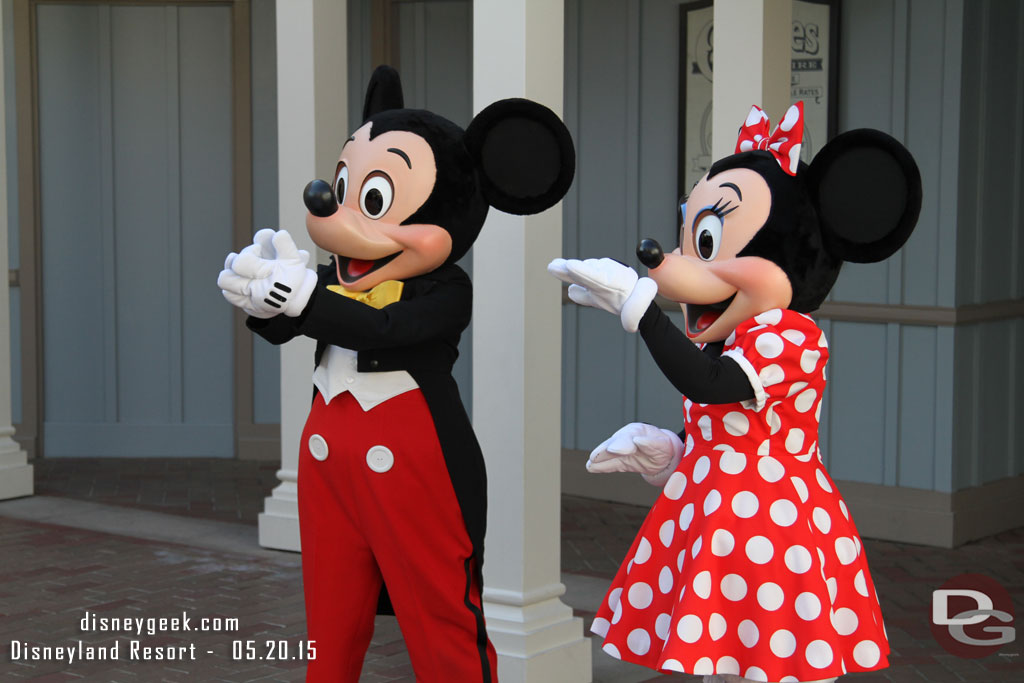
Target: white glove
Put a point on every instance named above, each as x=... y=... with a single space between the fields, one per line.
x=639 y=447
x=269 y=276
x=608 y=285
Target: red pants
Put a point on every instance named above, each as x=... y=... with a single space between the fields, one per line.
x=376 y=504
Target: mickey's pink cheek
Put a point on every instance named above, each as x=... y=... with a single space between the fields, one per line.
x=432 y=242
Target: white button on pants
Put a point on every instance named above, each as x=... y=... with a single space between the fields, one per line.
x=318 y=447
x=380 y=458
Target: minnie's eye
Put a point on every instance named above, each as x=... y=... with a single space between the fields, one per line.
x=341 y=184
x=707 y=236
x=376 y=196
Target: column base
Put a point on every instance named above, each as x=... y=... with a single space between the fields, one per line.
x=279 y=521
x=16 y=480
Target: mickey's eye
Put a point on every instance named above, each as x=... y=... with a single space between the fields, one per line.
x=707 y=235
x=341 y=184
x=377 y=194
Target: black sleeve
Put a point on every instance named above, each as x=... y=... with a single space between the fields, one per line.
x=700 y=377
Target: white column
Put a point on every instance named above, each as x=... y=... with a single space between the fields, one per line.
x=312 y=125
x=517 y=52
x=753 y=53
x=15 y=472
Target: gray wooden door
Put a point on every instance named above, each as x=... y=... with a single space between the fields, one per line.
x=135 y=162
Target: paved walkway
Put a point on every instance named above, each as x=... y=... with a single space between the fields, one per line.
x=157 y=538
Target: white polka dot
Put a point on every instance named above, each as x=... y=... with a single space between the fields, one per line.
x=822 y=342
x=844 y=620
x=716 y=626
x=819 y=654
x=705 y=428
x=833 y=589
x=795 y=388
x=846 y=551
x=675 y=486
x=711 y=503
x=734 y=587
x=769 y=345
x=805 y=401
x=755 y=116
x=770 y=596
x=689 y=628
x=822 y=520
x=732 y=463
x=806 y=457
x=783 y=512
x=756 y=674
x=689 y=445
x=665 y=580
x=770 y=469
x=681 y=559
x=791 y=118
x=771 y=375
x=843 y=509
x=794 y=158
x=695 y=548
x=722 y=543
x=736 y=423
x=774 y=421
x=686 y=516
x=747 y=631
x=765 y=447
x=789 y=679
x=731 y=339
x=643 y=551
x=662 y=625
x=760 y=550
x=617 y=614
x=809 y=360
x=808 y=606
x=638 y=641
x=614 y=598
x=772 y=317
x=783 y=644
x=600 y=626
x=702 y=584
x=666 y=532
x=673 y=665
x=801 y=488
x=795 y=440
x=744 y=504
x=611 y=650
x=727 y=665
x=704 y=667
x=701 y=469
x=823 y=481
x=866 y=653
x=795 y=336
x=817 y=412
x=640 y=595
x=856 y=541
x=798 y=559
x=859 y=584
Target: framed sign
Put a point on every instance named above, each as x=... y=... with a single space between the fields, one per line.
x=814 y=69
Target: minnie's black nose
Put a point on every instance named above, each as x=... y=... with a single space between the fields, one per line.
x=319 y=198
x=649 y=252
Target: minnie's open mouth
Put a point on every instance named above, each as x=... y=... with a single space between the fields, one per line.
x=700 y=317
x=352 y=269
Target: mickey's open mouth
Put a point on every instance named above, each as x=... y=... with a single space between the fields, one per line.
x=352 y=269
x=700 y=317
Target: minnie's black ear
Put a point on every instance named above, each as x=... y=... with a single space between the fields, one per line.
x=867 y=191
x=384 y=92
x=524 y=154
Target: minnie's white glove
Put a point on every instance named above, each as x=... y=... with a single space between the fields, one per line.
x=609 y=285
x=639 y=447
x=269 y=276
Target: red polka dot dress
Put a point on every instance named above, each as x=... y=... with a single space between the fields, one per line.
x=749 y=563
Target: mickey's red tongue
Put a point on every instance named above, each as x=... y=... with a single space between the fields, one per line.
x=358 y=268
x=706 y=319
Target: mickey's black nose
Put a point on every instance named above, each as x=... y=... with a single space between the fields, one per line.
x=649 y=252
x=319 y=198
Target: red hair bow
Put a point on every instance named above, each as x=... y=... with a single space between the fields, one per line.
x=784 y=142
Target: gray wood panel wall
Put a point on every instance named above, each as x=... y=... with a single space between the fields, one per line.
x=11 y=179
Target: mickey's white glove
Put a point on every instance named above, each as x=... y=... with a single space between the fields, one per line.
x=269 y=276
x=638 y=447
x=608 y=285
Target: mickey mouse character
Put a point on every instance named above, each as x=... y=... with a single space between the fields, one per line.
x=749 y=564
x=391 y=485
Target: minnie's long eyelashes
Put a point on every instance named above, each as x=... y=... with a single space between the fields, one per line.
x=721 y=210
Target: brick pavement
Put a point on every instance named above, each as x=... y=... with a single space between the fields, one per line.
x=51 y=574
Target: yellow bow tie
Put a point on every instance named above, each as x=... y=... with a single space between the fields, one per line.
x=387 y=292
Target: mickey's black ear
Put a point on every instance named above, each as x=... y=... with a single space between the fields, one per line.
x=867 y=190
x=524 y=154
x=384 y=92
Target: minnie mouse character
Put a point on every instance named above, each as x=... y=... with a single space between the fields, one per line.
x=391 y=485
x=749 y=563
